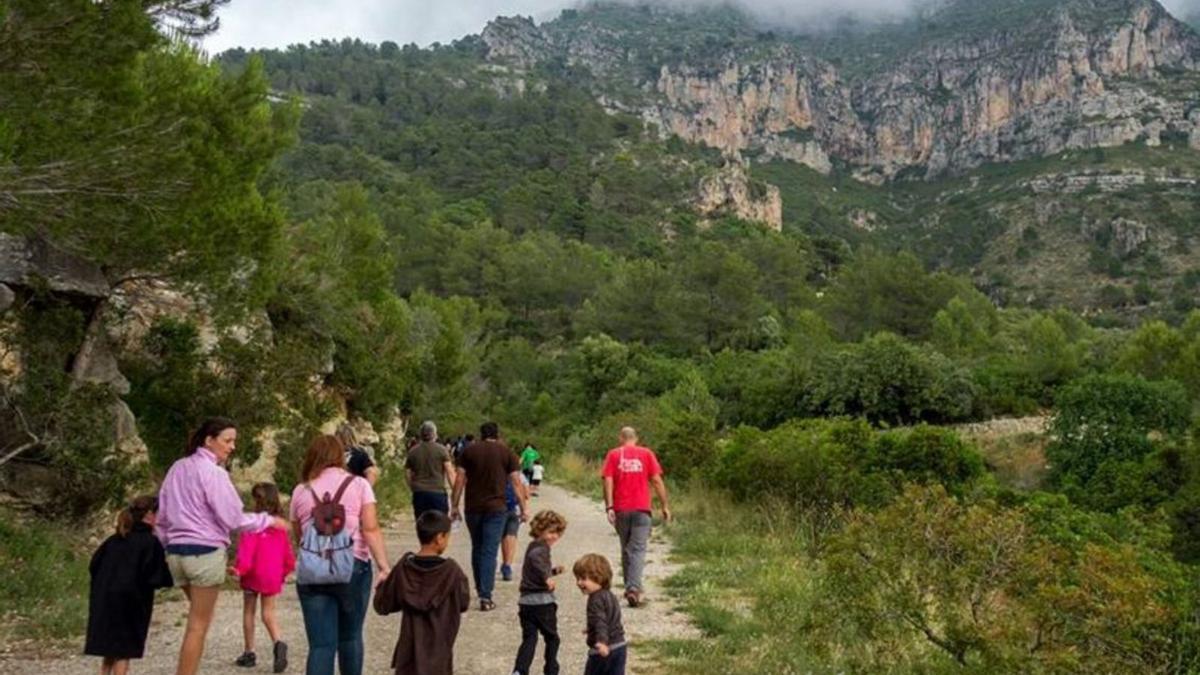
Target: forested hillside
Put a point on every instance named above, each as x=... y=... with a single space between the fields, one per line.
x=497 y=228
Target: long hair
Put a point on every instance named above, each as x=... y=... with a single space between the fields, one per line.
x=266 y=499
x=135 y=512
x=324 y=451
x=345 y=434
x=212 y=426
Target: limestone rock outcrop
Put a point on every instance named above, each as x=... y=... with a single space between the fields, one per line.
x=1085 y=75
x=730 y=191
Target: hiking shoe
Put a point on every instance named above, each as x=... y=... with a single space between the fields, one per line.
x=246 y=660
x=506 y=572
x=486 y=605
x=280 y=657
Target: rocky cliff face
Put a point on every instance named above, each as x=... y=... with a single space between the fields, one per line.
x=731 y=192
x=1087 y=74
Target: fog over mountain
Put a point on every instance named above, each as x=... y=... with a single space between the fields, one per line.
x=277 y=23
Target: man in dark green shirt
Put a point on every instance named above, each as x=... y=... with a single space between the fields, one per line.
x=430 y=471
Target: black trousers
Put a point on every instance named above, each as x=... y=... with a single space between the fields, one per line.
x=538 y=619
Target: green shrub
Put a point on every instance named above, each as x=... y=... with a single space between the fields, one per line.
x=1114 y=436
x=930 y=582
x=928 y=454
x=890 y=381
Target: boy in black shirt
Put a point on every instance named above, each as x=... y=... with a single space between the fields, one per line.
x=538 y=610
x=605 y=633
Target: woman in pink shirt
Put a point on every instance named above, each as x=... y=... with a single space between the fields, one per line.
x=198 y=509
x=334 y=614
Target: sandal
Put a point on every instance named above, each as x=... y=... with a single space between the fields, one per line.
x=633 y=598
x=486 y=605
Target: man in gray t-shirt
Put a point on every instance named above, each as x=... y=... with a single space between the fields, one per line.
x=430 y=471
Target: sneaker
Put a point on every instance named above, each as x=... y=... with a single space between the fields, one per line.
x=486 y=605
x=506 y=572
x=280 y=657
x=247 y=660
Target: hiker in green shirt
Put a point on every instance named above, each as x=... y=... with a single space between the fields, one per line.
x=528 y=456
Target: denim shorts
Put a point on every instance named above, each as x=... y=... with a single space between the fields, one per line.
x=512 y=524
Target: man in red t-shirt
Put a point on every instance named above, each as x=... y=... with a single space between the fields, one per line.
x=629 y=470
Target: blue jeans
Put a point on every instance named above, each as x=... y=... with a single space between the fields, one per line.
x=486 y=531
x=430 y=501
x=333 y=622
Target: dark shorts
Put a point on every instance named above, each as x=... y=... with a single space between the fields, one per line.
x=528 y=474
x=535 y=481
x=512 y=524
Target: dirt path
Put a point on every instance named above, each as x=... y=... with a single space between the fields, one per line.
x=487 y=642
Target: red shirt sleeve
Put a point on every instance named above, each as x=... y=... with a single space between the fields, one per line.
x=610 y=465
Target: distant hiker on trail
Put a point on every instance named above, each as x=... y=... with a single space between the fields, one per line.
x=264 y=560
x=430 y=471
x=529 y=456
x=358 y=460
x=432 y=592
x=628 y=472
x=198 y=509
x=539 y=472
x=485 y=467
x=607 y=649
x=126 y=571
x=512 y=527
x=333 y=515
x=538 y=608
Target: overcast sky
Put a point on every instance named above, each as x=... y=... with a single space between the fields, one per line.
x=278 y=23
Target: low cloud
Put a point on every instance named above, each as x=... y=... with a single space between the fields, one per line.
x=278 y=23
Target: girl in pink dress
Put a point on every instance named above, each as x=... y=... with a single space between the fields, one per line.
x=264 y=560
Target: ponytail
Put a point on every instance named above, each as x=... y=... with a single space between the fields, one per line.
x=134 y=513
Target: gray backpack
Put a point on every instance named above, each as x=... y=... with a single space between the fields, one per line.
x=326 y=547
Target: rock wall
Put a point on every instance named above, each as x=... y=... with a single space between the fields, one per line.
x=1068 y=82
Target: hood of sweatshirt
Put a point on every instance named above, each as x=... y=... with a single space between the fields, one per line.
x=426 y=588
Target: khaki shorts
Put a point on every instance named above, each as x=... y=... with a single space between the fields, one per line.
x=198 y=570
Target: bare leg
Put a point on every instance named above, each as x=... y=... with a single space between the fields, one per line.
x=200 y=614
x=106 y=665
x=121 y=667
x=248 y=606
x=508 y=549
x=268 y=617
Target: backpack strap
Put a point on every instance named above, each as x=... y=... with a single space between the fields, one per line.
x=337 y=497
x=311 y=491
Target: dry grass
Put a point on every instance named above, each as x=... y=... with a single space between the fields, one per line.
x=1017 y=461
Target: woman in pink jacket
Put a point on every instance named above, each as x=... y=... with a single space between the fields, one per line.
x=264 y=560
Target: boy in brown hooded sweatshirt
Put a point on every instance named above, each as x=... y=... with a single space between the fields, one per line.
x=432 y=592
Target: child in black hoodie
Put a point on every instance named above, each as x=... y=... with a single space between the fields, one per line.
x=432 y=592
x=538 y=609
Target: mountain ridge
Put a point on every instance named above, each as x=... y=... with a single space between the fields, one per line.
x=953 y=102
